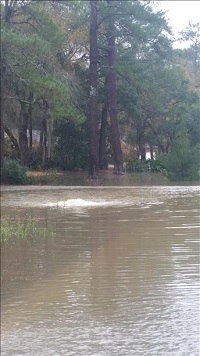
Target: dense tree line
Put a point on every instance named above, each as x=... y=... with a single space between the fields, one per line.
x=86 y=76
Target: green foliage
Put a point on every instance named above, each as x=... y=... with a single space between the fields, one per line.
x=13 y=231
x=71 y=148
x=38 y=72
x=137 y=165
x=154 y=165
x=13 y=172
x=33 y=42
x=9 y=149
x=49 y=30
x=182 y=163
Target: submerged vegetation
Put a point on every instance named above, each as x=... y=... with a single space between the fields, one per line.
x=79 y=78
x=12 y=231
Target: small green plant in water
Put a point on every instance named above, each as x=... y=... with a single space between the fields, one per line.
x=22 y=231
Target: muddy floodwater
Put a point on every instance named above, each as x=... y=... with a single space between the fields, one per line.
x=118 y=275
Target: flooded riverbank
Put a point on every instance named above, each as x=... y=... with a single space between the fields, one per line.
x=118 y=277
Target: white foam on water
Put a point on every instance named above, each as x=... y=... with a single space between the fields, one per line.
x=82 y=203
x=78 y=204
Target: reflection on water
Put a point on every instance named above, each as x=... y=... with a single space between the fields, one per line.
x=120 y=276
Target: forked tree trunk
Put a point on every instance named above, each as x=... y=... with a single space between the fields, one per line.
x=93 y=107
x=112 y=95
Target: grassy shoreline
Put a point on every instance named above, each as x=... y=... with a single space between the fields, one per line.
x=22 y=230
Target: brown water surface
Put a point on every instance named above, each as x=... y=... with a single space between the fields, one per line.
x=119 y=276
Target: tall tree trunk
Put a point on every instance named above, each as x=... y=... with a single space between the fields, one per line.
x=41 y=135
x=23 y=139
x=2 y=98
x=30 y=133
x=151 y=152
x=44 y=151
x=161 y=148
x=142 y=151
x=167 y=148
x=112 y=95
x=30 y=109
x=8 y=12
x=102 y=139
x=2 y=143
x=49 y=137
x=141 y=145
x=44 y=130
x=43 y=140
x=93 y=107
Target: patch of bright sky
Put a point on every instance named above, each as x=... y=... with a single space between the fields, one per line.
x=179 y=13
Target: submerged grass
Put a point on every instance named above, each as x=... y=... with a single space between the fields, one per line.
x=12 y=231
